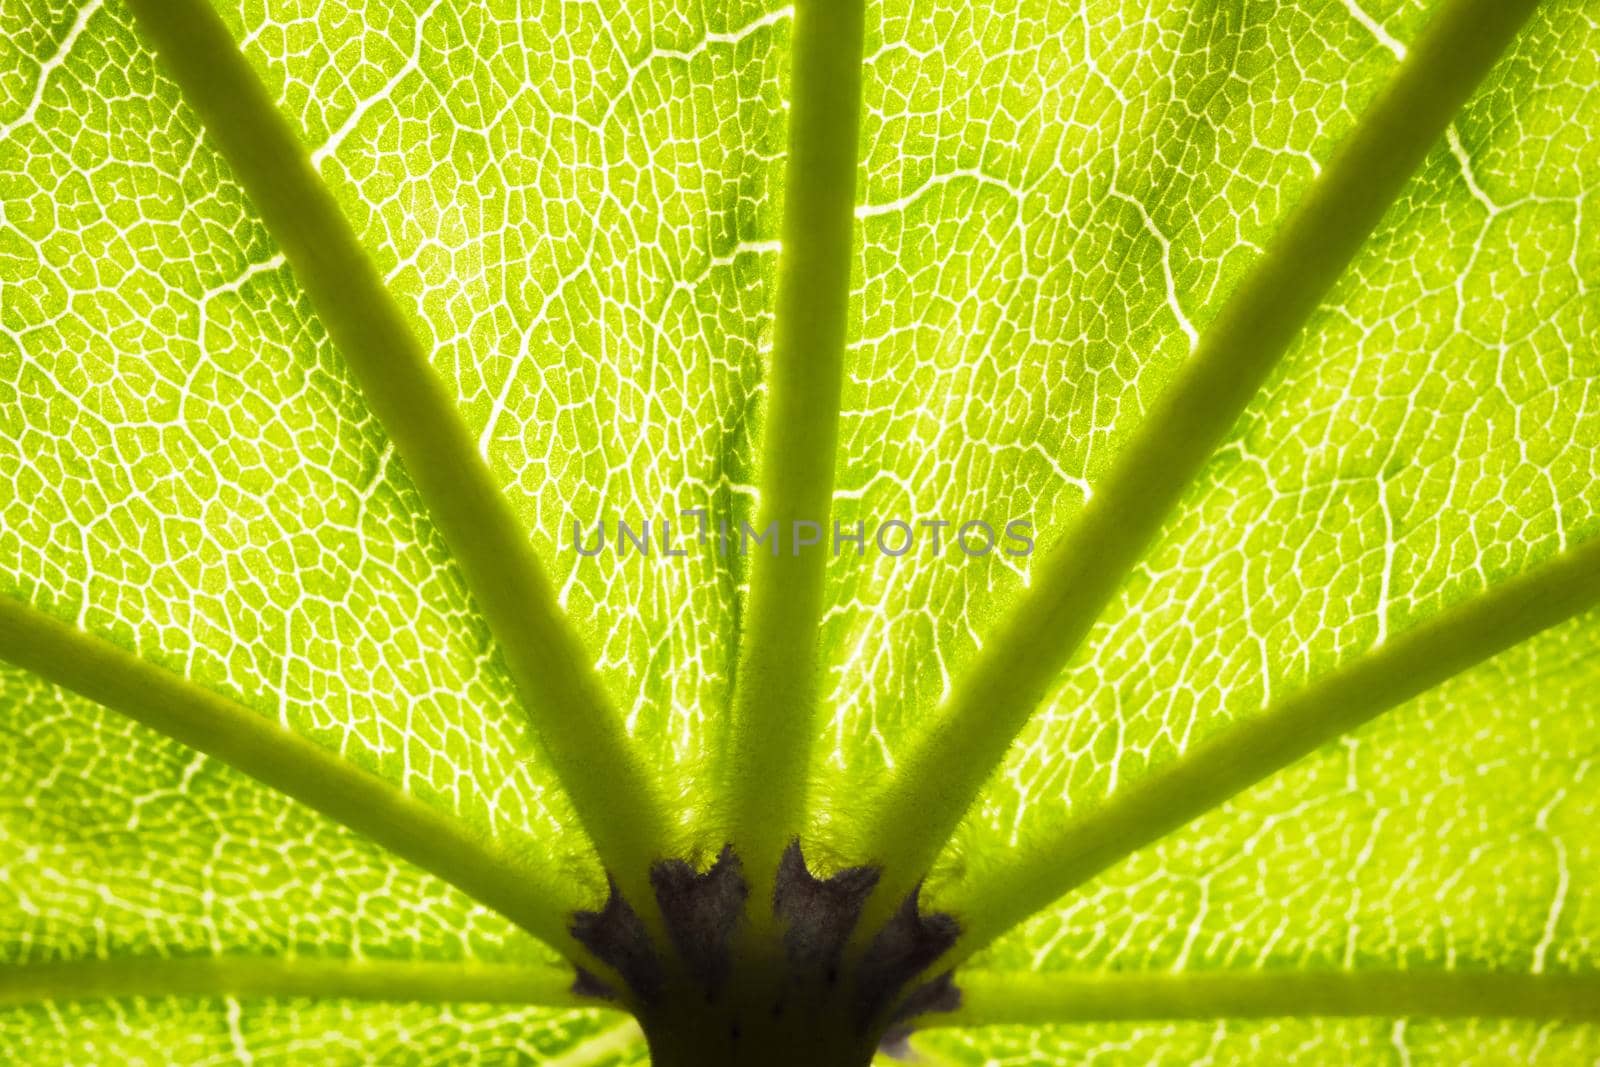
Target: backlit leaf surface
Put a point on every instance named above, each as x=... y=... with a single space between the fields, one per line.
x=577 y=205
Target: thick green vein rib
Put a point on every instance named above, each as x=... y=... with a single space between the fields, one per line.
x=615 y=797
x=1042 y=999
x=947 y=764
x=767 y=756
x=1431 y=653
x=441 y=983
x=535 y=900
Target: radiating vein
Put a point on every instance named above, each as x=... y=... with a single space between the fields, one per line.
x=1458 y=638
x=536 y=900
x=946 y=765
x=770 y=737
x=242 y=976
x=616 y=798
x=1034 y=999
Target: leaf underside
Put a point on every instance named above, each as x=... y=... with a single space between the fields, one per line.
x=578 y=212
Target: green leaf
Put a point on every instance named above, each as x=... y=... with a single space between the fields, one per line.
x=337 y=1033
x=322 y=324
x=1474 y=1043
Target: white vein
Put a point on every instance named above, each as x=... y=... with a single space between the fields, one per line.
x=890 y=207
x=690 y=53
x=49 y=67
x=1464 y=161
x=1558 y=899
x=600 y=1047
x=1386 y=582
x=1374 y=27
x=1166 y=266
x=1452 y=136
x=412 y=64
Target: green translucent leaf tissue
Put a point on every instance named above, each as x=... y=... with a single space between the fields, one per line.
x=333 y=334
